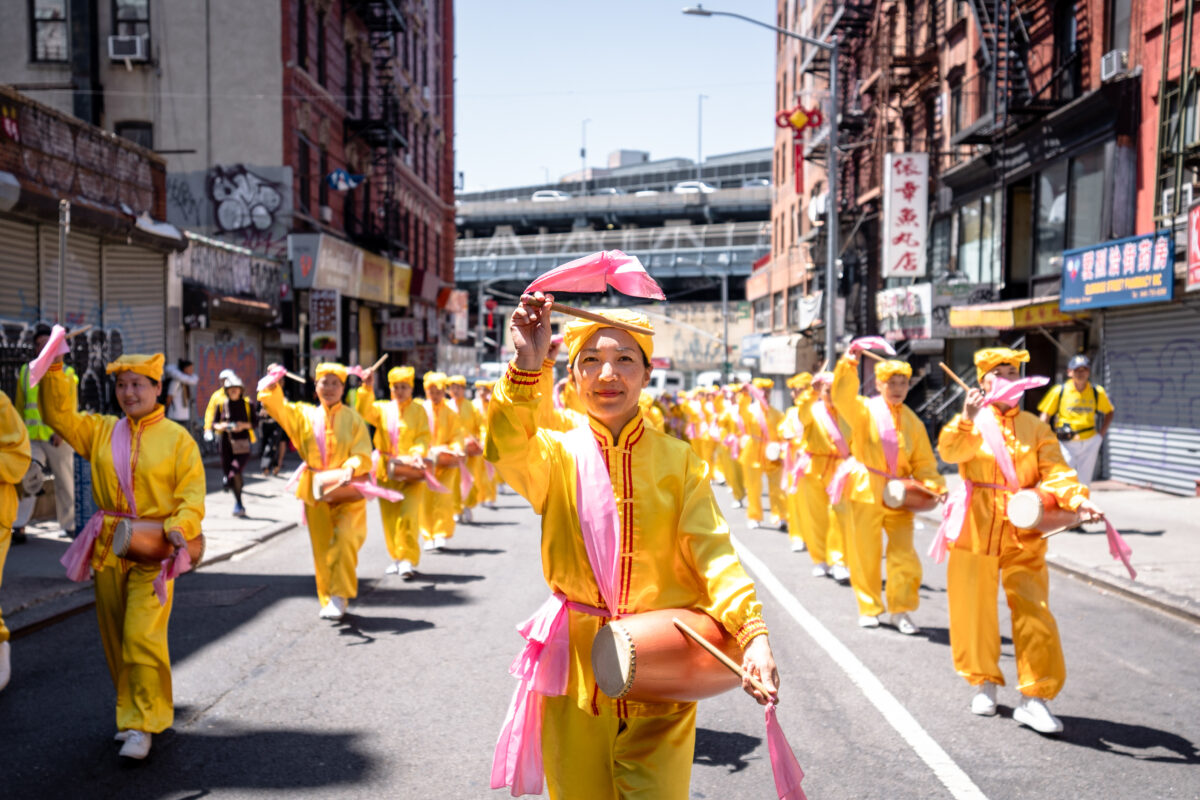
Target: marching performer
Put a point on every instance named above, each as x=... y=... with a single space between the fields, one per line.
x=651 y=412
x=674 y=551
x=795 y=459
x=989 y=552
x=758 y=430
x=484 y=473
x=445 y=437
x=401 y=432
x=15 y=455
x=826 y=443
x=731 y=447
x=329 y=436
x=143 y=466
x=471 y=424
x=888 y=442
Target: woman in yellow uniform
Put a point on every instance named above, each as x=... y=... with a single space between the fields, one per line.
x=445 y=435
x=401 y=431
x=759 y=428
x=15 y=455
x=471 y=424
x=146 y=466
x=826 y=443
x=791 y=433
x=990 y=552
x=731 y=435
x=327 y=436
x=888 y=441
x=673 y=551
x=485 y=473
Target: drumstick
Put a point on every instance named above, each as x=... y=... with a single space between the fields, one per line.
x=869 y=354
x=733 y=666
x=592 y=317
x=294 y=377
x=954 y=377
x=78 y=331
x=376 y=365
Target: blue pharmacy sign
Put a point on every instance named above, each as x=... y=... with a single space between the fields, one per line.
x=1139 y=269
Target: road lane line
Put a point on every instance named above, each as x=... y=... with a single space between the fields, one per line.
x=957 y=782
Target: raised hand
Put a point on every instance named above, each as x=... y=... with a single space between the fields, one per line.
x=530 y=331
x=973 y=403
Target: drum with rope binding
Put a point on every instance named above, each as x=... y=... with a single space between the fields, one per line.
x=774 y=451
x=909 y=494
x=145 y=542
x=1038 y=510
x=400 y=470
x=330 y=486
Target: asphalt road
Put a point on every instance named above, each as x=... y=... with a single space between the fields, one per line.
x=405 y=697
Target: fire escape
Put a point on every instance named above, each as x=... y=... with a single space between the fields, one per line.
x=1178 y=159
x=380 y=126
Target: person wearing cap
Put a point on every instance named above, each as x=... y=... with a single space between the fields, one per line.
x=471 y=424
x=15 y=457
x=328 y=436
x=148 y=467
x=485 y=478
x=731 y=436
x=1071 y=408
x=235 y=420
x=401 y=432
x=888 y=441
x=791 y=433
x=445 y=436
x=214 y=402
x=673 y=551
x=758 y=427
x=990 y=552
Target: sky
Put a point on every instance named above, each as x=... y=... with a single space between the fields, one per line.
x=528 y=72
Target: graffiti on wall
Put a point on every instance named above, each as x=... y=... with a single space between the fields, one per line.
x=90 y=352
x=232 y=273
x=249 y=206
x=225 y=350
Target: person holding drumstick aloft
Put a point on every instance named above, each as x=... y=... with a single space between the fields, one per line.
x=673 y=551
x=889 y=442
x=143 y=466
x=986 y=551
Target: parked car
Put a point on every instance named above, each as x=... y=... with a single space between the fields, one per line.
x=751 y=182
x=645 y=193
x=549 y=196
x=693 y=187
x=609 y=190
x=716 y=377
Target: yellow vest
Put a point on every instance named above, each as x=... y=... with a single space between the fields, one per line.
x=39 y=431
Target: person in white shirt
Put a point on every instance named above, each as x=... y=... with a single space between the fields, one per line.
x=183 y=380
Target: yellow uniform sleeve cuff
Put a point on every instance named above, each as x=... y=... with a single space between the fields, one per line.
x=966 y=425
x=518 y=384
x=751 y=628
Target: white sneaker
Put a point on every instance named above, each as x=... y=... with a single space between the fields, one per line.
x=840 y=573
x=137 y=745
x=427 y=544
x=776 y=522
x=798 y=545
x=867 y=621
x=984 y=701
x=904 y=624
x=405 y=569
x=121 y=736
x=466 y=516
x=1034 y=713
x=392 y=568
x=737 y=504
x=439 y=542
x=490 y=505
x=820 y=570
x=335 y=609
x=5 y=663
x=753 y=524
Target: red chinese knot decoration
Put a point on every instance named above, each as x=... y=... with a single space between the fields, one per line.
x=799 y=119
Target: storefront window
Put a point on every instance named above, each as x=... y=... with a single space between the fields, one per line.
x=968 y=241
x=939 y=248
x=1087 y=199
x=778 y=320
x=762 y=314
x=1051 y=219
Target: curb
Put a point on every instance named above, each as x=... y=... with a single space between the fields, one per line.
x=61 y=606
x=1175 y=605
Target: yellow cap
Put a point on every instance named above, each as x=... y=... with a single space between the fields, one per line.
x=437 y=379
x=764 y=383
x=800 y=381
x=331 y=368
x=989 y=358
x=884 y=370
x=733 y=387
x=400 y=375
x=149 y=365
x=456 y=380
x=482 y=384
x=580 y=330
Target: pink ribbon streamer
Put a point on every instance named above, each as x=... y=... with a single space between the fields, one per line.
x=598 y=271
x=888 y=437
x=557 y=394
x=274 y=375
x=1118 y=549
x=734 y=445
x=870 y=343
x=847 y=465
x=1010 y=392
x=756 y=409
x=784 y=766
x=78 y=558
x=170 y=569
x=56 y=346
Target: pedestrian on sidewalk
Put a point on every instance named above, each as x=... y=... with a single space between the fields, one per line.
x=888 y=442
x=235 y=420
x=674 y=551
x=181 y=385
x=47 y=446
x=14 y=460
x=214 y=402
x=401 y=432
x=329 y=436
x=445 y=437
x=992 y=441
x=1072 y=408
x=144 y=466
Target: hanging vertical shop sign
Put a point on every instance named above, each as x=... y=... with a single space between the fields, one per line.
x=1139 y=269
x=905 y=214
x=324 y=322
x=1193 y=249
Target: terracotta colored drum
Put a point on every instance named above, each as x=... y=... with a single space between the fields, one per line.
x=443 y=458
x=774 y=451
x=327 y=487
x=908 y=494
x=645 y=658
x=473 y=447
x=145 y=542
x=1038 y=510
x=397 y=470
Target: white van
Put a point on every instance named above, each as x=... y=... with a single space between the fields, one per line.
x=664 y=381
x=715 y=377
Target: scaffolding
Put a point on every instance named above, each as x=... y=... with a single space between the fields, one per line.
x=1178 y=154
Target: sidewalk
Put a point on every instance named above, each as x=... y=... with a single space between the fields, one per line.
x=1163 y=530
x=36 y=591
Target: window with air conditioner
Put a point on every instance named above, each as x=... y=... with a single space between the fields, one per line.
x=131 y=18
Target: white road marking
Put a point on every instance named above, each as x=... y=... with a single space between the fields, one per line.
x=957 y=782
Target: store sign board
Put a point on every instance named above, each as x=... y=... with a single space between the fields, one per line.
x=922 y=310
x=401 y=333
x=1193 y=249
x=324 y=322
x=1138 y=269
x=905 y=214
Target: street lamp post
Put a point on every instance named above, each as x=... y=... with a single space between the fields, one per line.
x=831 y=216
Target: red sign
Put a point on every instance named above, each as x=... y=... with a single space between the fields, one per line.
x=1193 y=249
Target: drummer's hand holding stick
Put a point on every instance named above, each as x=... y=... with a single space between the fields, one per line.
x=1090 y=511
x=530 y=331
x=759 y=671
x=177 y=540
x=973 y=404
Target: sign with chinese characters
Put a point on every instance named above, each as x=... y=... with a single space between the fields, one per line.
x=1139 y=269
x=1193 y=249
x=400 y=333
x=905 y=214
x=324 y=322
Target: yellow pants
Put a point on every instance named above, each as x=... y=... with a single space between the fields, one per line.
x=337 y=531
x=708 y=452
x=606 y=758
x=133 y=628
x=438 y=508
x=798 y=519
x=829 y=525
x=400 y=521
x=484 y=488
x=971 y=584
x=903 y=563
x=5 y=541
x=753 y=477
x=732 y=471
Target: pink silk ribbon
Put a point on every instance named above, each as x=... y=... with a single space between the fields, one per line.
x=170 y=569
x=784 y=766
x=1118 y=549
x=56 y=346
x=888 y=437
x=78 y=558
x=557 y=394
x=837 y=485
x=1010 y=392
x=598 y=271
x=274 y=375
x=734 y=445
x=870 y=343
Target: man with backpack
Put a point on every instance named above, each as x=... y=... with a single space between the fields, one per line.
x=1071 y=409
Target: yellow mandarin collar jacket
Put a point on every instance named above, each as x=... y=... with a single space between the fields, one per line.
x=346 y=440
x=674 y=544
x=447 y=430
x=14 y=459
x=815 y=440
x=412 y=432
x=168 y=475
x=1036 y=457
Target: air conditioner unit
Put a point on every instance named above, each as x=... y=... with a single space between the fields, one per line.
x=127 y=48
x=1187 y=194
x=1114 y=64
x=1168 y=196
x=326 y=214
x=426 y=94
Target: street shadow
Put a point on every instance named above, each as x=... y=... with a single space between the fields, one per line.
x=1138 y=742
x=724 y=749
x=1123 y=531
x=438 y=577
x=470 y=551
x=480 y=524
x=427 y=596
x=935 y=589
x=942 y=636
x=367 y=629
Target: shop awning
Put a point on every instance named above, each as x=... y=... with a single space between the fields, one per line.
x=1030 y=312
